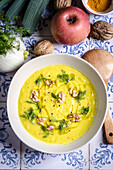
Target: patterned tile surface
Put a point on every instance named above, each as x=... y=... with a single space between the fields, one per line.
x=32 y=159
x=9 y=143
x=12 y=149
x=101 y=154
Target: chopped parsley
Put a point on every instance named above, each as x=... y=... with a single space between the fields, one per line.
x=29 y=115
x=80 y=95
x=84 y=110
x=37 y=105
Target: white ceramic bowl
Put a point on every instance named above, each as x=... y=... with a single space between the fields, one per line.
x=25 y=71
x=108 y=11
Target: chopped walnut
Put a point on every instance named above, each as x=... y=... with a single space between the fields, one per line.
x=74 y=117
x=50 y=127
x=77 y=117
x=49 y=82
x=41 y=120
x=61 y=98
x=73 y=93
x=40 y=123
x=70 y=116
x=34 y=96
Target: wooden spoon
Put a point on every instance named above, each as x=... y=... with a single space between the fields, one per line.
x=103 y=62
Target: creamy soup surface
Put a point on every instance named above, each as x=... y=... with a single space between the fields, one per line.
x=57 y=104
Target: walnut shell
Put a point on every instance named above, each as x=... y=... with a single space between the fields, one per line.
x=102 y=30
x=62 y=3
x=43 y=47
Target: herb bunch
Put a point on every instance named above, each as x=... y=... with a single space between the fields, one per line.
x=8 y=32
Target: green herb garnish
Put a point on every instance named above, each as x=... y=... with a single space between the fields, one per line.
x=63 y=125
x=73 y=78
x=43 y=128
x=45 y=131
x=54 y=96
x=80 y=96
x=63 y=71
x=39 y=80
x=37 y=105
x=29 y=115
x=8 y=34
x=65 y=78
x=84 y=110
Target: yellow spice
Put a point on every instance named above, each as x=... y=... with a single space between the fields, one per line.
x=99 y=5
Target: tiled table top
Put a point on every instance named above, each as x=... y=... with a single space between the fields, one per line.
x=16 y=155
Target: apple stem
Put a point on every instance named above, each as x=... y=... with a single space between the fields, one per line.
x=71 y=20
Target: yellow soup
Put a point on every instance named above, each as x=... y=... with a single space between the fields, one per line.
x=57 y=104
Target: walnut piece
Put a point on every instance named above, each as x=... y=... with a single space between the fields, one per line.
x=41 y=120
x=61 y=97
x=49 y=82
x=102 y=30
x=34 y=96
x=74 y=117
x=50 y=127
x=62 y=3
x=73 y=93
x=43 y=47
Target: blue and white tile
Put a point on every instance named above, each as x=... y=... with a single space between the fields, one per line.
x=9 y=143
x=107 y=18
x=78 y=49
x=110 y=89
x=101 y=153
x=32 y=159
x=5 y=79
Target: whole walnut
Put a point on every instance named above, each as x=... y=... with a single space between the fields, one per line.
x=43 y=47
x=102 y=30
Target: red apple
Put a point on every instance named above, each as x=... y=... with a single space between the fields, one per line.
x=70 y=26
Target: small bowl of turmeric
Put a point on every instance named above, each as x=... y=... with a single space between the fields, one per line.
x=98 y=7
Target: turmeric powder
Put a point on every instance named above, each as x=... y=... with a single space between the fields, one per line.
x=99 y=5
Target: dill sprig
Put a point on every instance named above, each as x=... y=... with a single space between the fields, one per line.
x=8 y=32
